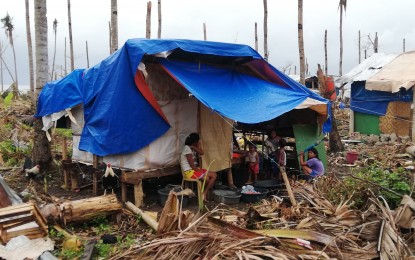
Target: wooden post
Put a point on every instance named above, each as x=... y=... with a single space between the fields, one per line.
x=94 y=176
x=123 y=189
x=230 y=178
x=325 y=53
x=265 y=30
x=204 y=32
x=159 y=19
x=138 y=194
x=123 y=192
x=256 y=36
x=148 y=20
x=288 y=186
x=65 y=157
x=351 y=122
x=360 y=54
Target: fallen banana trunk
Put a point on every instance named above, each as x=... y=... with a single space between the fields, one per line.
x=82 y=210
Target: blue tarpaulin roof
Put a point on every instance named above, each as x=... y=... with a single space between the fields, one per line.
x=118 y=117
x=375 y=102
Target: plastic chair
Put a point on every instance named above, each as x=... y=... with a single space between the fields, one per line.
x=199 y=184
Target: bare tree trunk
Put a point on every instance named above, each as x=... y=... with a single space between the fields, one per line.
x=325 y=52
x=256 y=36
x=266 y=30
x=70 y=36
x=376 y=43
x=109 y=30
x=360 y=54
x=87 y=55
x=335 y=143
x=204 y=32
x=148 y=20
x=114 y=26
x=341 y=42
x=30 y=50
x=16 y=85
x=66 y=71
x=41 y=146
x=159 y=15
x=55 y=28
x=301 y=42
x=403 y=45
x=1 y=66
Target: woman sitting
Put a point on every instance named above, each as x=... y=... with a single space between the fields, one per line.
x=190 y=166
x=313 y=167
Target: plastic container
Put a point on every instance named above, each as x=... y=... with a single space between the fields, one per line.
x=352 y=156
x=252 y=198
x=226 y=196
x=164 y=194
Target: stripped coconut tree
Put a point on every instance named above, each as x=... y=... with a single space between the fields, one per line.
x=30 y=50
x=114 y=26
x=41 y=146
x=70 y=36
x=148 y=21
x=266 y=54
x=342 y=6
x=55 y=30
x=8 y=28
x=301 y=41
x=159 y=19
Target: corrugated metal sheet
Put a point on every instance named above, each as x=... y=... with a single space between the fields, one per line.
x=367 y=68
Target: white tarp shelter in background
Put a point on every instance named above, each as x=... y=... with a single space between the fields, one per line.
x=396 y=74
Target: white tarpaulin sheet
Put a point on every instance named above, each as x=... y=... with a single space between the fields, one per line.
x=399 y=73
x=182 y=116
x=367 y=68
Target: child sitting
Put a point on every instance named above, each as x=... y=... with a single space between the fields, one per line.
x=253 y=159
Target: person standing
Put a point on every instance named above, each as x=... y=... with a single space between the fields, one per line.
x=253 y=160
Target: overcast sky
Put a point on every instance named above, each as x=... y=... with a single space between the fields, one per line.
x=226 y=21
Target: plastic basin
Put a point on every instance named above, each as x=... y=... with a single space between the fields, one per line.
x=252 y=198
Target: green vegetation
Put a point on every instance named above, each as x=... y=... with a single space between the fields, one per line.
x=8 y=100
x=385 y=183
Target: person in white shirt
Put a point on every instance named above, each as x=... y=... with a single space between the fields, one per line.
x=190 y=166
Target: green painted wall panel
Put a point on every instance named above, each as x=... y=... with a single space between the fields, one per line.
x=306 y=135
x=366 y=124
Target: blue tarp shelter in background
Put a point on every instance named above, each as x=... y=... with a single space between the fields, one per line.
x=375 y=102
x=120 y=117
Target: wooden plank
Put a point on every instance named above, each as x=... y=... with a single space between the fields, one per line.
x=11 y=223
x=137 y=176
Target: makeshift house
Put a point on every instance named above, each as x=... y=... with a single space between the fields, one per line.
x=381 y=94
x=135 y=108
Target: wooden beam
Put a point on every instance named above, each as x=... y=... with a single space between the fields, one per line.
x=137 y=176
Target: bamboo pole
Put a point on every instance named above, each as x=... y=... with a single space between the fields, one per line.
x=87 y=54
x=288 y=187
x=204 y=32
x=360 y=51
x=265 y=30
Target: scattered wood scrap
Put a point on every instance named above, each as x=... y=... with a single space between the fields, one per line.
x=23 y=219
